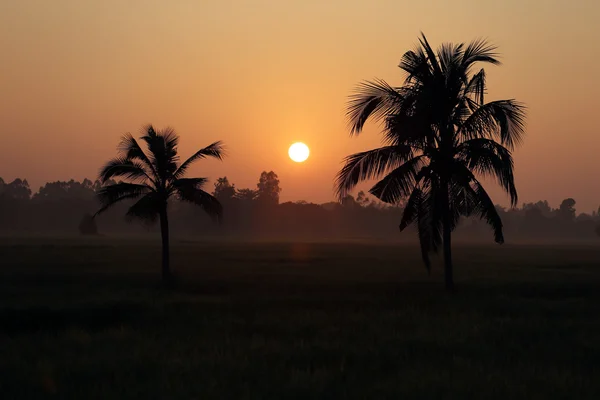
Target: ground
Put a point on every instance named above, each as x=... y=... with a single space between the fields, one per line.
x=85 y=319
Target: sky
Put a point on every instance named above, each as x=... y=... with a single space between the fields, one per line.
x=77 y=74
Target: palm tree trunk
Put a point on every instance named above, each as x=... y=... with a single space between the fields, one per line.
x=447 y=239
x=164 y=232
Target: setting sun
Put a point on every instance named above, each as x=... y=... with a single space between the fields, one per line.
x=299 y=152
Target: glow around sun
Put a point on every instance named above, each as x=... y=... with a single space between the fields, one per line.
x=299 y=152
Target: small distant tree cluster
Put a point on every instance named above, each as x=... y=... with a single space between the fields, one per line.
x=268 y=188
x=224 y=191
x=267 y=191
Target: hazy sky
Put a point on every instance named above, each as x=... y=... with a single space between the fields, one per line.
x=77 y=74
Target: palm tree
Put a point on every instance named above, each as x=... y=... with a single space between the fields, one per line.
x=153 y=177
x=439 y=138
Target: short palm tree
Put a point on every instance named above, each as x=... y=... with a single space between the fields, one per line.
x=153 y=177
x=439 y=138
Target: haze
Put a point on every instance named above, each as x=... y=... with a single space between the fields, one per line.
x=76 y=75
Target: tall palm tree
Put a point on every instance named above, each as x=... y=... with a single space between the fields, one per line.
x=153 y=177
x=439 y=138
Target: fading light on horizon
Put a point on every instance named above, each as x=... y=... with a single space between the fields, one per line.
x=77 y=75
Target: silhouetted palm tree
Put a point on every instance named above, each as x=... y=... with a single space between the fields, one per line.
x=154 y=176
x=438 y=135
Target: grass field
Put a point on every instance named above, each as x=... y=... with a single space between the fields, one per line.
x=84 y=319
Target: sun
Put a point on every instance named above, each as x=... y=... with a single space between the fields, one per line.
x=299 y=152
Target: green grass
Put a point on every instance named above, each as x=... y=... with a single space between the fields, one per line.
x=84 y=319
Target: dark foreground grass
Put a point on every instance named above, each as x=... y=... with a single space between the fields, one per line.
x=84 y=319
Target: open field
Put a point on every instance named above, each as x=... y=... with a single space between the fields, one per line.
x=84 y=319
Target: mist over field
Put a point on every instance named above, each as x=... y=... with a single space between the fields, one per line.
x=63 y=209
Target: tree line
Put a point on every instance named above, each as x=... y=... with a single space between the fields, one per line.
x=63 y=207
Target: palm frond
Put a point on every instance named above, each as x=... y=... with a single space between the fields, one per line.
x=462 y=203
x=371 y=99
x=449 y=57
x=215 y=150
x=411 y=209
x=410 y=123
x=480 y=50
x=487 y=210
x=112 y=194
x=147 y=208
x=423 y=208
x=502 y=119
x=192 y=183
x=368 y=165
x=462 y=111
x=163 y=150
x=168 y=158
x=171 y=140
x=150 y=137
x=488 y=158
x=399 y=183
x=476 y=87
x=187 y=191
x=431 y=57
x=186 y=184
x=123 y=168
x=415 y=210
x=148 y=133
x=414 y=63
x=131 y=150
x=476 y=200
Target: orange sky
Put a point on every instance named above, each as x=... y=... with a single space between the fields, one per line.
x=76 y=74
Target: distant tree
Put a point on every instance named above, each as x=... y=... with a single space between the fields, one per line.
x=97 y=185
x=566 y=210
x=541 y=208
x=224 y=191
x=584 y=217
x=153 y=177
x=88 y=226
x=268 y=188
x=348 y=201
x=60 y=191
x=16 y=190
x=246 y=194
x=362 y=199
x=438 y=134
x=83 y=190
x=533 y=216
x=331 y=206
